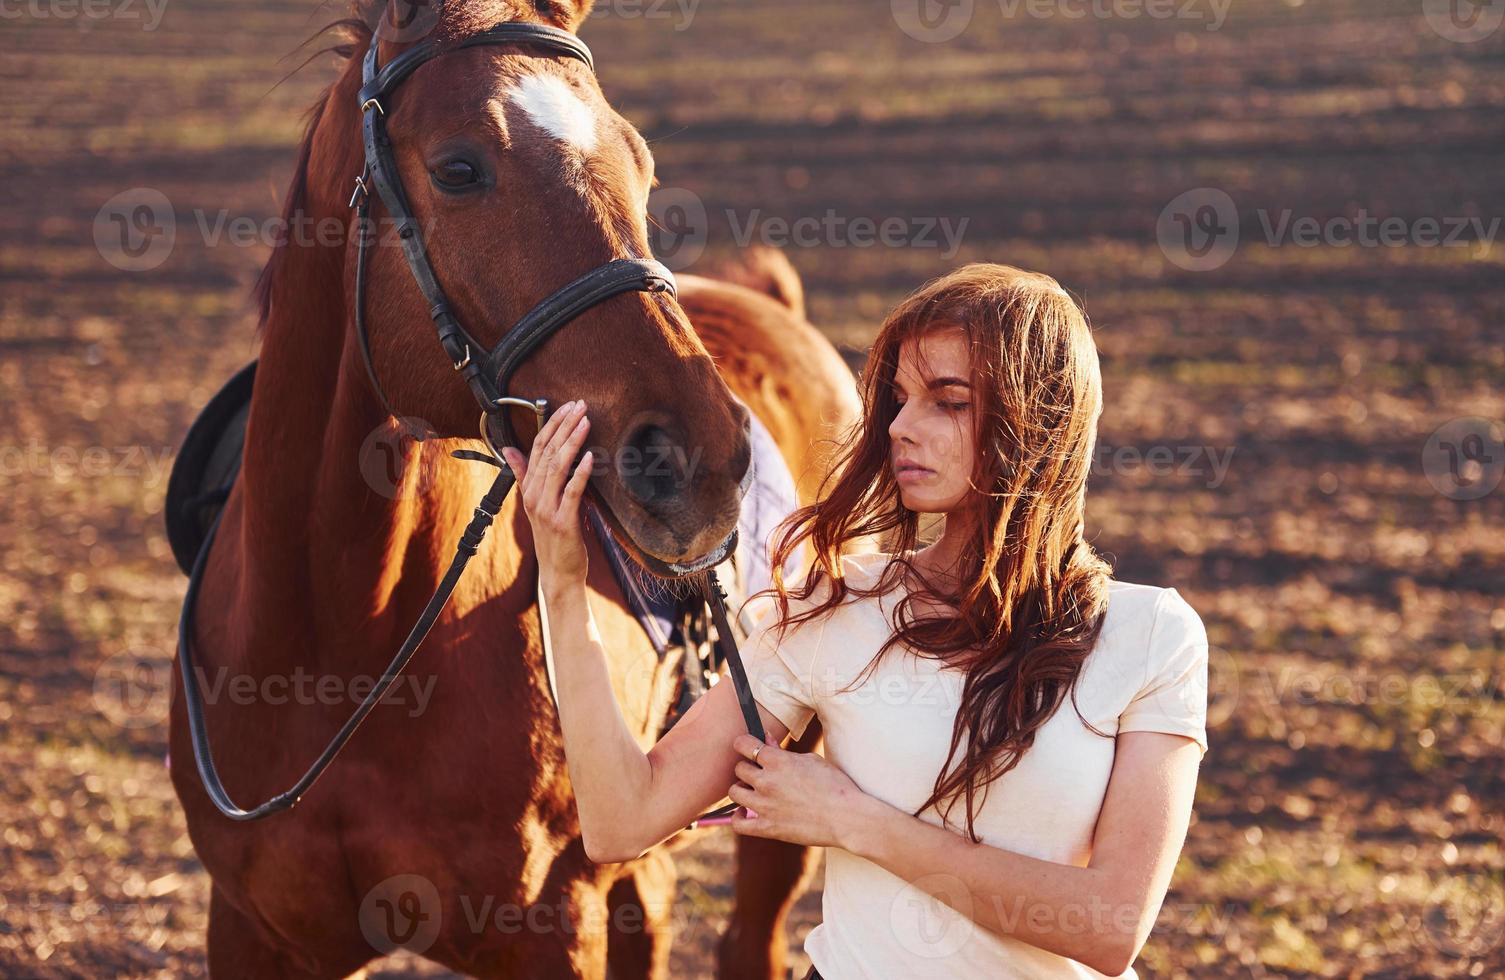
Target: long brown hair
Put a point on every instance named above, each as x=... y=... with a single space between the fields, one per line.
x=1032 y=591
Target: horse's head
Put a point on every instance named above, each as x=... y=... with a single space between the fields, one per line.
x=520 y=178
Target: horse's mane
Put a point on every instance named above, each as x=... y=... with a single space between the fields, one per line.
x=355 y=31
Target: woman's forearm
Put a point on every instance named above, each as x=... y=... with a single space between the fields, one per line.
x=611 y=774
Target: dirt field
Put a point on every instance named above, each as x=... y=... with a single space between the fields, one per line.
x=1302 y=432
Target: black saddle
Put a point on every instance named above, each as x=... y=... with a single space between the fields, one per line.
x=206 y=465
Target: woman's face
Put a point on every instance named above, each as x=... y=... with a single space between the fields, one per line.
x=934 y=428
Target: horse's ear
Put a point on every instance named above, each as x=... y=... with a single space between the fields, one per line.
x=582 y=10
x=402 y=20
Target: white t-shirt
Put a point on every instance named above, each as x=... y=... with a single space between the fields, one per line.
x=1148 y=672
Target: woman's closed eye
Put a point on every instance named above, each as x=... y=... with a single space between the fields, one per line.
x=948 y=406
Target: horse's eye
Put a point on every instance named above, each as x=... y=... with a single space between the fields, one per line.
x=455 y=173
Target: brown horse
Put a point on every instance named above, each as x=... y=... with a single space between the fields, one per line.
x=448 y=825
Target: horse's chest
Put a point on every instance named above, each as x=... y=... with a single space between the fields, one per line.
x=456 y=777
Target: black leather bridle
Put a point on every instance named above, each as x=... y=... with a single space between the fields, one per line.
x=486 y=372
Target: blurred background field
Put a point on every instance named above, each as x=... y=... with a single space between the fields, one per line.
x=1302 y=438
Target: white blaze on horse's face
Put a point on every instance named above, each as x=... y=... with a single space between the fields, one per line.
x=555 y=108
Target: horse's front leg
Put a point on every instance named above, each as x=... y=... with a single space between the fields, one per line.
x=641 y=903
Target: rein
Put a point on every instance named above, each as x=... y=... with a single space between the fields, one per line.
x=487 y=373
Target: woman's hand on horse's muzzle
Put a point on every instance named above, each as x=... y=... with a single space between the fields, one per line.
x=552 y=485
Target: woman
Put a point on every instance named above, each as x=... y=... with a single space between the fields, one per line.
x=937 y=672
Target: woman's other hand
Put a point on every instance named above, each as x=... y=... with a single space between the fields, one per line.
x=798 y=797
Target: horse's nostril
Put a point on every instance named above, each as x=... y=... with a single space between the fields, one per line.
x=652 y=465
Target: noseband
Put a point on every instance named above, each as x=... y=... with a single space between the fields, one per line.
x=487 y=373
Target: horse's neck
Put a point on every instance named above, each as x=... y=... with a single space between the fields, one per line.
x=321 y=533
x=314 y=529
